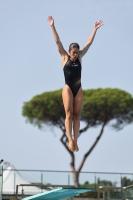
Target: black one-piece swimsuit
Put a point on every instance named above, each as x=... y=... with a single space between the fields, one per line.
x=72 y=73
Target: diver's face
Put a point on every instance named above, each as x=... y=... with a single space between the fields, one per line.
x=74 y=53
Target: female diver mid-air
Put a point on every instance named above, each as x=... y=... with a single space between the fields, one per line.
x=72 y=94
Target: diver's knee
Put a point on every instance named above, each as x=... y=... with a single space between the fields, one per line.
x=69 y=115
x=76 y=116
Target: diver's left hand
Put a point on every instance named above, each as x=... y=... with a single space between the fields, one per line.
x=98 y=24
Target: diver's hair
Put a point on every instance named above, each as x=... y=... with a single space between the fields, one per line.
x=73 y=45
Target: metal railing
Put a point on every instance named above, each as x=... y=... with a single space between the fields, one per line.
x=65 y=177
x=128 y=187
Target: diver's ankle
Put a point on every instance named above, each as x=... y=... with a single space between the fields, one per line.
x=70 y=139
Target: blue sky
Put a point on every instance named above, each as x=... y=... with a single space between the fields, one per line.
x=30 y=64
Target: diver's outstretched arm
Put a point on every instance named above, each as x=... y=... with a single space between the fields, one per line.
x=56 y=36
x=91 y=38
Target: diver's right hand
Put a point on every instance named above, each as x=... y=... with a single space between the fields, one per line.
x=50 y=21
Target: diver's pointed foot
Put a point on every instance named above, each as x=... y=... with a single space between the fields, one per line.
x=76 y=147
x=71 y=145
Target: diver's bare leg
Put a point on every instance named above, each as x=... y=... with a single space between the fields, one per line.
x=77 y=108
x=67 y=97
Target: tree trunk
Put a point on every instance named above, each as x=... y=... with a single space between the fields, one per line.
x=75 y=176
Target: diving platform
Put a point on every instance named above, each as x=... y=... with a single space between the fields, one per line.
x=59 y=193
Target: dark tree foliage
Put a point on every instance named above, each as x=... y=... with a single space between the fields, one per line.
x=100 y=107
x=126 y=182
